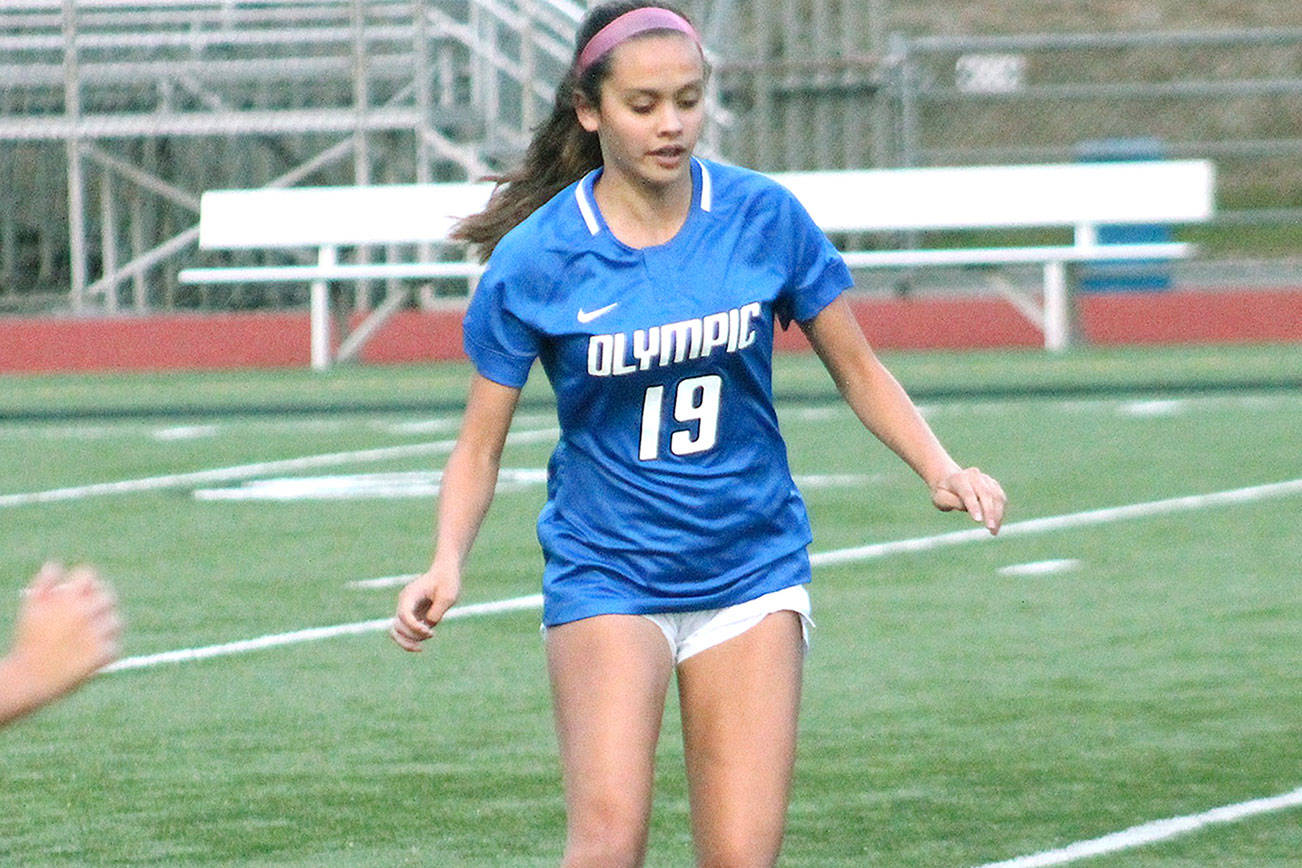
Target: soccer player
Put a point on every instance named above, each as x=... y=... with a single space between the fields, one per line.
x=647 y=282
x=68 y=628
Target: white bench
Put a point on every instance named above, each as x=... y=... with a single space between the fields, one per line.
x=1081 y=197
x=417 y=216
x=1078 y=196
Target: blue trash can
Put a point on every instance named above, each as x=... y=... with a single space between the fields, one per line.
x=1144 y=275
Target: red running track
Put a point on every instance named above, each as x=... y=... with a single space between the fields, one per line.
x=265 y=340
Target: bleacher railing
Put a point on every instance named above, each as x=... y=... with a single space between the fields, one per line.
x=116 y=114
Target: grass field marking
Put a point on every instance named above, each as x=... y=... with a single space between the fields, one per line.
x=424 y=484
x=163 y=433
x=1060 y=522
x=1037 y=525
x=247 y=471
x=1157 y=830
x=1040 y=568
x=1155 y=407
x=423 y=426
x=312 y=634
x=185 y=432
x=361 y=486
x=1126 y=408
x=381 y=582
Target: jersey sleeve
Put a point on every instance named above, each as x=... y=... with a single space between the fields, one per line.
x=816 y=273
x=500 y=343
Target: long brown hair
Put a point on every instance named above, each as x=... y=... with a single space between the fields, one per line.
x=561 y=150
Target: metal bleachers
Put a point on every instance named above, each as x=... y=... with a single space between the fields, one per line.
x=116 y=114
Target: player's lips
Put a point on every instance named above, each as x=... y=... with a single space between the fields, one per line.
x=668 y=156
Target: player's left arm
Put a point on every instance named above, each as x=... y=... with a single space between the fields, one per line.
x=885 y=409
x=68 y=628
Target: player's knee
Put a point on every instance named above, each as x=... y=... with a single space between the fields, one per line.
x=610 y=848
x=745 y=857
x=738 y=849
x=606 y=831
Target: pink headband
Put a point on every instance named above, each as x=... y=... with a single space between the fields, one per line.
x=627 y=26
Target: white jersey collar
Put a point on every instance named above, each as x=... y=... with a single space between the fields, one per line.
x=588 y=208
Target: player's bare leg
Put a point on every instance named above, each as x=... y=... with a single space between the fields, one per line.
x=740 y=701
x=609 y=676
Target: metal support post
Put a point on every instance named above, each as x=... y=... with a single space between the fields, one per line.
x=424 y=96
x=907 y=77
x=72 y=146
x=320 y=312
x=881 y=108
x=8 y=222
x=529 y=69
x=361 y=148
x=108 y=241
x=139 y=288
x=1057 y=307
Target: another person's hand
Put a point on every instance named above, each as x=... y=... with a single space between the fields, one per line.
x=971 y=490
x=67 y=629
x=421 y=605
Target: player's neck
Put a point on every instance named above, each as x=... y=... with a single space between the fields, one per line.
x=641 y=214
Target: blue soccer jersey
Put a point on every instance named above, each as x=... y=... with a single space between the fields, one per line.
x=669 y=489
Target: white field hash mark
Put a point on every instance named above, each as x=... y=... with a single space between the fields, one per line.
x=1040 y=568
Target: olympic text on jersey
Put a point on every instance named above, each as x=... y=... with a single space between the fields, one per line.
x=673 y=343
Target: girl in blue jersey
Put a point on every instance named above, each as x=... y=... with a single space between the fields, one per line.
x=647 y=282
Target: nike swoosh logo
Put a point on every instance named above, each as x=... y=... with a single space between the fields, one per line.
x=587 y=316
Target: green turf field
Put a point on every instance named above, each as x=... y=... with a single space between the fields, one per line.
x=956 y=713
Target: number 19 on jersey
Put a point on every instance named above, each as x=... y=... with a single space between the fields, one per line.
x=695 y=405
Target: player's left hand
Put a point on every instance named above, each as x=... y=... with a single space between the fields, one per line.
x=979 y=495
x=422 y=604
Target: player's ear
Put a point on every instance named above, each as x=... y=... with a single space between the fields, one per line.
x=588 y=114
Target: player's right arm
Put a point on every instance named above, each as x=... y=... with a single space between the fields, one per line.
x=469 y=480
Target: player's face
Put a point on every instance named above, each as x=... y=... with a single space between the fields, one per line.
x=652 y=109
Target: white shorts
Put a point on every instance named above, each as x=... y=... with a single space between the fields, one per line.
x=691 y=633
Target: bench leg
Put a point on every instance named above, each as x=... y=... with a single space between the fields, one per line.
x=320 y=325
x=1057 y=307
x=320 y=312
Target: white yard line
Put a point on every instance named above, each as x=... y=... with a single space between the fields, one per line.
x=312 y=634
x=1060 y=522
x=1157 y=830
x=248 y=471
x=839 y=556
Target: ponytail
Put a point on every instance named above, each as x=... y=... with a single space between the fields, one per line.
x=561 y=151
